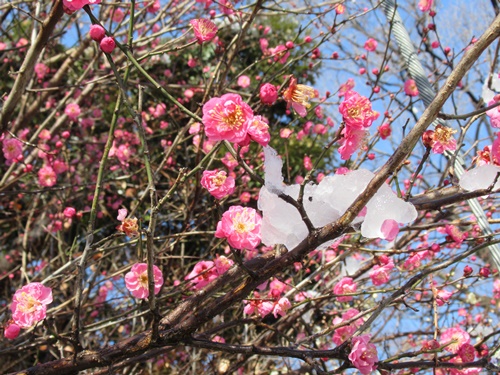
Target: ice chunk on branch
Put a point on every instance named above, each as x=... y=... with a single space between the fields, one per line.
x=324 y=203
x=481 y=177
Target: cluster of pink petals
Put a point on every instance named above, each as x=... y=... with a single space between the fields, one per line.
x=454 y=233
x=494 y=114
x=357 y=114
x=227 y=118
x=425 y=5
x=218 y=183
x=129 y=225
x=136 y=280
x=410 y=88
x=455 y=337
x=341 y=334
x=371 y=45
x=352 y=139
x=72 y=110
x=241 y=227
x=385 y=130
x=204 y=29
x=12 y=149
x=298 y=96
x=74 y=5
x=415 y=260
x=268 y=93
x=344 y=286
x=363 y=354
x=356 y=111
x=380 y=274
x=47 y=177
x=264 y=307
x=206 y=271
x=29 y=304
x=258 y=131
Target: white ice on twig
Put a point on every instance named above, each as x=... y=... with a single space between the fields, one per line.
x=480 y=178
x=324 y=203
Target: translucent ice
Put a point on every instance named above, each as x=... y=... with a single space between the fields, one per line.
x=324 y=203
x=480 y=178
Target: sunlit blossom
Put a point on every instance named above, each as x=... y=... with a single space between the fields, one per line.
x=204 y=29
x=298 y=96
x=29 y=304
x=226 y=118
x=241 y=227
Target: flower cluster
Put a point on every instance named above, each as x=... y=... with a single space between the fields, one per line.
x=357 y=114
x=343 y=333
x=363 y=354
x=440 y=139
x=206 y=271
x=380 y=273
x=229 y=118
x=345 y=286
x=129 y=225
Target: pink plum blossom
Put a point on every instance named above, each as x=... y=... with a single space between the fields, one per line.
x=298 y=96
x=363 y=354
x=385 y=130
x=41 y=70
x=12 y=149
x=371 y=45
x=218 y=183
x=69 y=212
x=74 y=5
x=356 y=111
x=241 y=227
x=136 y=280
x=72 y=110
x=204 y=29
x=345 y=285
x=258 y=130
x=226 y=118
x=352 y=139
x=202 y=274
x=494 y=114
x=281 y=307
x=257 y=305
x=389 y=229
x=222 y=264
x=46 y=176
x=410 y=88
x=244 y=81
x=346 y=87
x=443 y=139
x=455 y=337
x=29 y=304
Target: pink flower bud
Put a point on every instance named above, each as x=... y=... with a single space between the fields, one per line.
x=107 y=44
x=12 y=331
x=268 y=93
x=97 y=33
x=69 y=212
